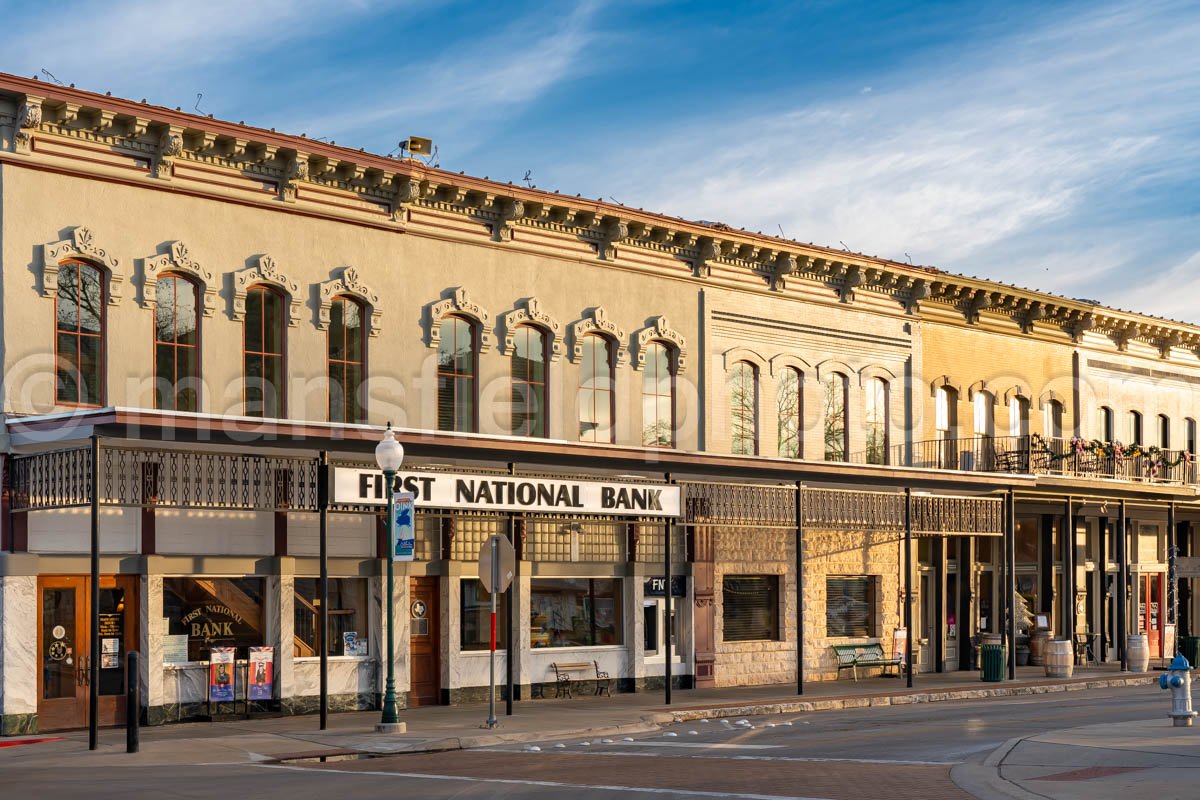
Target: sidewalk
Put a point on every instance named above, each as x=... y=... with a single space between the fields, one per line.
x=459 y=727
x=1145 y=760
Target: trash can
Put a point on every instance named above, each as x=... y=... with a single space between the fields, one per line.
x=1189 y=647
x=992 y=666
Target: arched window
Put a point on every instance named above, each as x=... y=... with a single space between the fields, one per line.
x=176 y=345
x=1191 y=434
x=457 y=370
x=263 y=352
x=79 y=334
x=1107 y=424
x=346 y=360
x=836 y=389
x=985 y=418
x=596 y=390
x=1135 y=427
x=1052 y=422
x=1018 y=416
x=743 y=408
x=876 y=419
x=791 y=413
x=658 y=396
x=1164 y=431
x=946 y=413
x=529 y=361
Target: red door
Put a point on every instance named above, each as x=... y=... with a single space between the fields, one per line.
x=425 y=686
x=1152 y=612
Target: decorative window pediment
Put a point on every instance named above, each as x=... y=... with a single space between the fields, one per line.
x=530 y=313
x=461 y=304
x=81 y=245
x=178 y=259
x=660 y=330
x=348 y=283
x=596 y=321
x=265 y=271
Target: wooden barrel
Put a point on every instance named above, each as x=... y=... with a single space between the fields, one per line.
x=1060 y=659
x=1138 y=653
x=1037 y=647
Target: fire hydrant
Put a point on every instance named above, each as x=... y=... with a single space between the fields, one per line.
x=1178 y=679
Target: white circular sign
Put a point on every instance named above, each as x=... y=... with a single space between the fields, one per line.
x=59 y=632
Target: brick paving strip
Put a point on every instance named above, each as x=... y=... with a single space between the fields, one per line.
x=837 y=781
x=1087 y=773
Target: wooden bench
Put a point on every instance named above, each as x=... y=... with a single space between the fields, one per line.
x=853 y=656
x=563 y=679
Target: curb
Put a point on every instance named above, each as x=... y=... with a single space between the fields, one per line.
x=837 y=704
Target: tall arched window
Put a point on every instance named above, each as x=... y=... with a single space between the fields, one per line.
x=263 y=352
x=529 y=417
x=1107 y=424
x=658 y=396
x=176 y=345
x=1164 y=431
x=1052 y=422
x=836 y=388
x=1135 y=427
x=1018 y=416
x=791 y=413
x=946 y=413
x=1191 y=434
x=876 y=419
x=743 y=408
x=79 y=334
x=457 y=370
x=596 y=390
x=985 y=418
x=346 y=359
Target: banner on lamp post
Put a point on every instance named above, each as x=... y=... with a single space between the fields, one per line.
x=404 y=541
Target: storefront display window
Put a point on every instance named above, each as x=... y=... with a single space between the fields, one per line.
x=850 y=606
x=1027 y=540
x=348 y=635
x=214 y=612
x=474 y=617
x=750 y=607
x=575 y=612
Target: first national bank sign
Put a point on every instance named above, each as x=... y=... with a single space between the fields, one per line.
x=510 y=493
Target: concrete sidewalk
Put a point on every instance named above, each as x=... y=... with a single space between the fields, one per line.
x=1145 y=760
x=458 y=727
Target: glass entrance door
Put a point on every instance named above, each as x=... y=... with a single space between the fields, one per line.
x=1150 y=617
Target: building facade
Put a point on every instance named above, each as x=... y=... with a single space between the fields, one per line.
x=208 y=326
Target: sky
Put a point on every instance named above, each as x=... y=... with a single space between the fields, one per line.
x=1055 y=146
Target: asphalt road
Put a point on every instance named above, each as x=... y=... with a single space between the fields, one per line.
x=894 y=752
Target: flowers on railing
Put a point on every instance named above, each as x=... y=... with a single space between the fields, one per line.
x=1156 y=458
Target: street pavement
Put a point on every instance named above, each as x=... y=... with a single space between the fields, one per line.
x=1106 y=742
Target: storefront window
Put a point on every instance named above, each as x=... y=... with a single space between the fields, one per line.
x=850 y=606
x=575 y=612
x=214 y=612
x=750 y=607
x=1027 y=540
x=475 y=625
x=348 y=635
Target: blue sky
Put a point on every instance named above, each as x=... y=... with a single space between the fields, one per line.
x=1054 y=146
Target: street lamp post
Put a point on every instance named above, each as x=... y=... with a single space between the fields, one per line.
x=389 y=454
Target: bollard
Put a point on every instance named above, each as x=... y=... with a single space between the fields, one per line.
x=133 y=705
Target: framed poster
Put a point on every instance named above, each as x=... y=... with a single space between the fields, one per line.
x=899 y=643
x=261 y=670
x=405 y=544
x=220 y=675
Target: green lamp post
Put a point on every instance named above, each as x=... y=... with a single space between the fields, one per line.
x=389 y=454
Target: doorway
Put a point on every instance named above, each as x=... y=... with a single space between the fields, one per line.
x=926 y=620
x=425 y=683
x=64 y=649
x=1150 y=605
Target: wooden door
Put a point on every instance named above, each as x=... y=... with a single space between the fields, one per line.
x=425 y=686
x=64 y=649
x=1152 y=605
x=62 y=653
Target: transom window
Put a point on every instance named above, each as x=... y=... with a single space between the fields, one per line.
x=743 y=408
x=457 y=370
x=347 y=349
x=176 y=345
x=836 y=388
x=263 y=353
x=79 y=334
x=596 y=390
x=529 y=360
x=791 y=410
x=658 y=397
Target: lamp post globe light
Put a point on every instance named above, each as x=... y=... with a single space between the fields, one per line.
x=389 y=455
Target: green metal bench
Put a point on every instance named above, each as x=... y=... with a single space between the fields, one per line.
x=853 y=656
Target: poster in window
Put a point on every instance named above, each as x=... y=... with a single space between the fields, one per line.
x=110 y=653
x=220 y=675
x=352 y=644
x=262 y=672
x=405 y=544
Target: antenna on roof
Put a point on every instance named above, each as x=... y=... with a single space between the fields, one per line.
x=50 y=75
x=843 y=244
x=199 y=97
x=782 y=235
x=906 y=255
x=528 y=179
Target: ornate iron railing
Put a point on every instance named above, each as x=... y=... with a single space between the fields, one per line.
x=761 y=505
x=56 y=479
